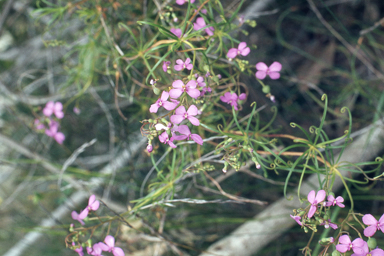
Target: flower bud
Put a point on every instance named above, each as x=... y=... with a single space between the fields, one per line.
x=71 y=227
x=266 y=89
x=149 y=148
x=372 y=243
x=336 y=253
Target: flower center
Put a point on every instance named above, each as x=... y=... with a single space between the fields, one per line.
x=160 y=103
x=183 y=88
x=185 y=115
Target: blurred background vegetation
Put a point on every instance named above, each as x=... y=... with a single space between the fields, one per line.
x=43 y=58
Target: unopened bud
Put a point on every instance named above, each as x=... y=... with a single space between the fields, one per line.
x=149 y=148
x=372 y=243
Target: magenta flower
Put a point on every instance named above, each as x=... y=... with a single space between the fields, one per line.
x=80 y=217
x=183 y=129
x=314 y=200
x=242 y=49
x=79 y=250
x=364 y=251
x=373 y=224
x=53 y=108
x=109 y=246
x=176 y=31
x=97 y=249
x=164 y=138
x=166 y=66
x=181 y=2
x=297 y=219
x=182 y=65
x=232 y=98
x=162 y=102
x=93 y=204
x=76 y=110
x=345 y=244
x=264 y=70
x=200 y=81
x=181 y=114
x=205 y=90
x=200 y=23
x=39 y=125
x=328 y=223
x=149 y=148
x=179 y=88
x=54 y=133
x=332 y=201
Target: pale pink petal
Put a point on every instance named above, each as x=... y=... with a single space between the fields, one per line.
x=320 y=196
x=118 y=252
x=59 y=137
x=83 y=214
x=261 y=74
x=242 y=45
x=189 y=66
x=191 y=84
x=110 y=241
x=171 y=144
x=344 y=239
x=358 y=243
x=370 y=231
x=377 y=252
x=194 y=120
x=342 y=248
x=275 y=67
x=274 y=75
x=48 y=110
x=242 y=96
x=179 y=137
x=164 y=95
x=312 y=211
x=178 y=84
x=175 y=93
x=183 y=129
x=232 y=53
x=187 y=61
x=180 y=61
x=261 y=66
x=194 y=93
x=178 y=67
x=169 y=105
x=74 y=215
x=180 y=2
x=368 y=219
x=196 y=138
x=176 y=119
x=192 y=110
x=154 y=108
x=333 y=225
x=102 y=246
x=381 y=220
x=201 y=22
x=180 y=110
x=245 y=52
x=311 y=196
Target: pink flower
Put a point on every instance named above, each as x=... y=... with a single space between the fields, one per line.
x=164 y=138
x=162 y=102
x=176 y=31
x=373 y=224
x=179 y=88
x=332 y=201
x=345 y=244
x=328 y=224
x=200 y=23
x=80 y=217
x=264 y=70
x=76 y=110
x=183 y=129
x=53 y=132
x=166 y=66
x=232 y=98
x=181 y=114
x=93 y=204
x=39 y=125
x=241 y=50
x=149 y=148
x=200 y=81
x=364 y=251
x=205 y=90
x=79 y=250
x=53 y=108
x=315 y=200
x=109 y=246
x=182 y=65
x=97 y=249
x=297 y=219
x=181 y=2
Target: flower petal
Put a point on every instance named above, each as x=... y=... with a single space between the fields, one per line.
x=117 y=251
x=312 y=211
x=368 y=219
x=344 y=239
x=194 y=93
x=194 y=120
x=232 y=53
x=261 y=74
x=370 y=231
x=342 y=248
x=176 y=119
x=192 y=110
x=175 y=93
x=320 y=196
x=275 y=67
x=110 y=241
x=183 y=129
x=196 y=138
x=311 y=196
x=261 y=66
x=274 y=75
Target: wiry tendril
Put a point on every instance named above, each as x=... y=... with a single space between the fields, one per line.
x=378 y=159
x=293 y=125
x=324 y=97
x=312 y=129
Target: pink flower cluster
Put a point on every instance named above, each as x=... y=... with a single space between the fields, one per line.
x=97 y=248
x=358 y=246
x=52 y=108
x=170 y=131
